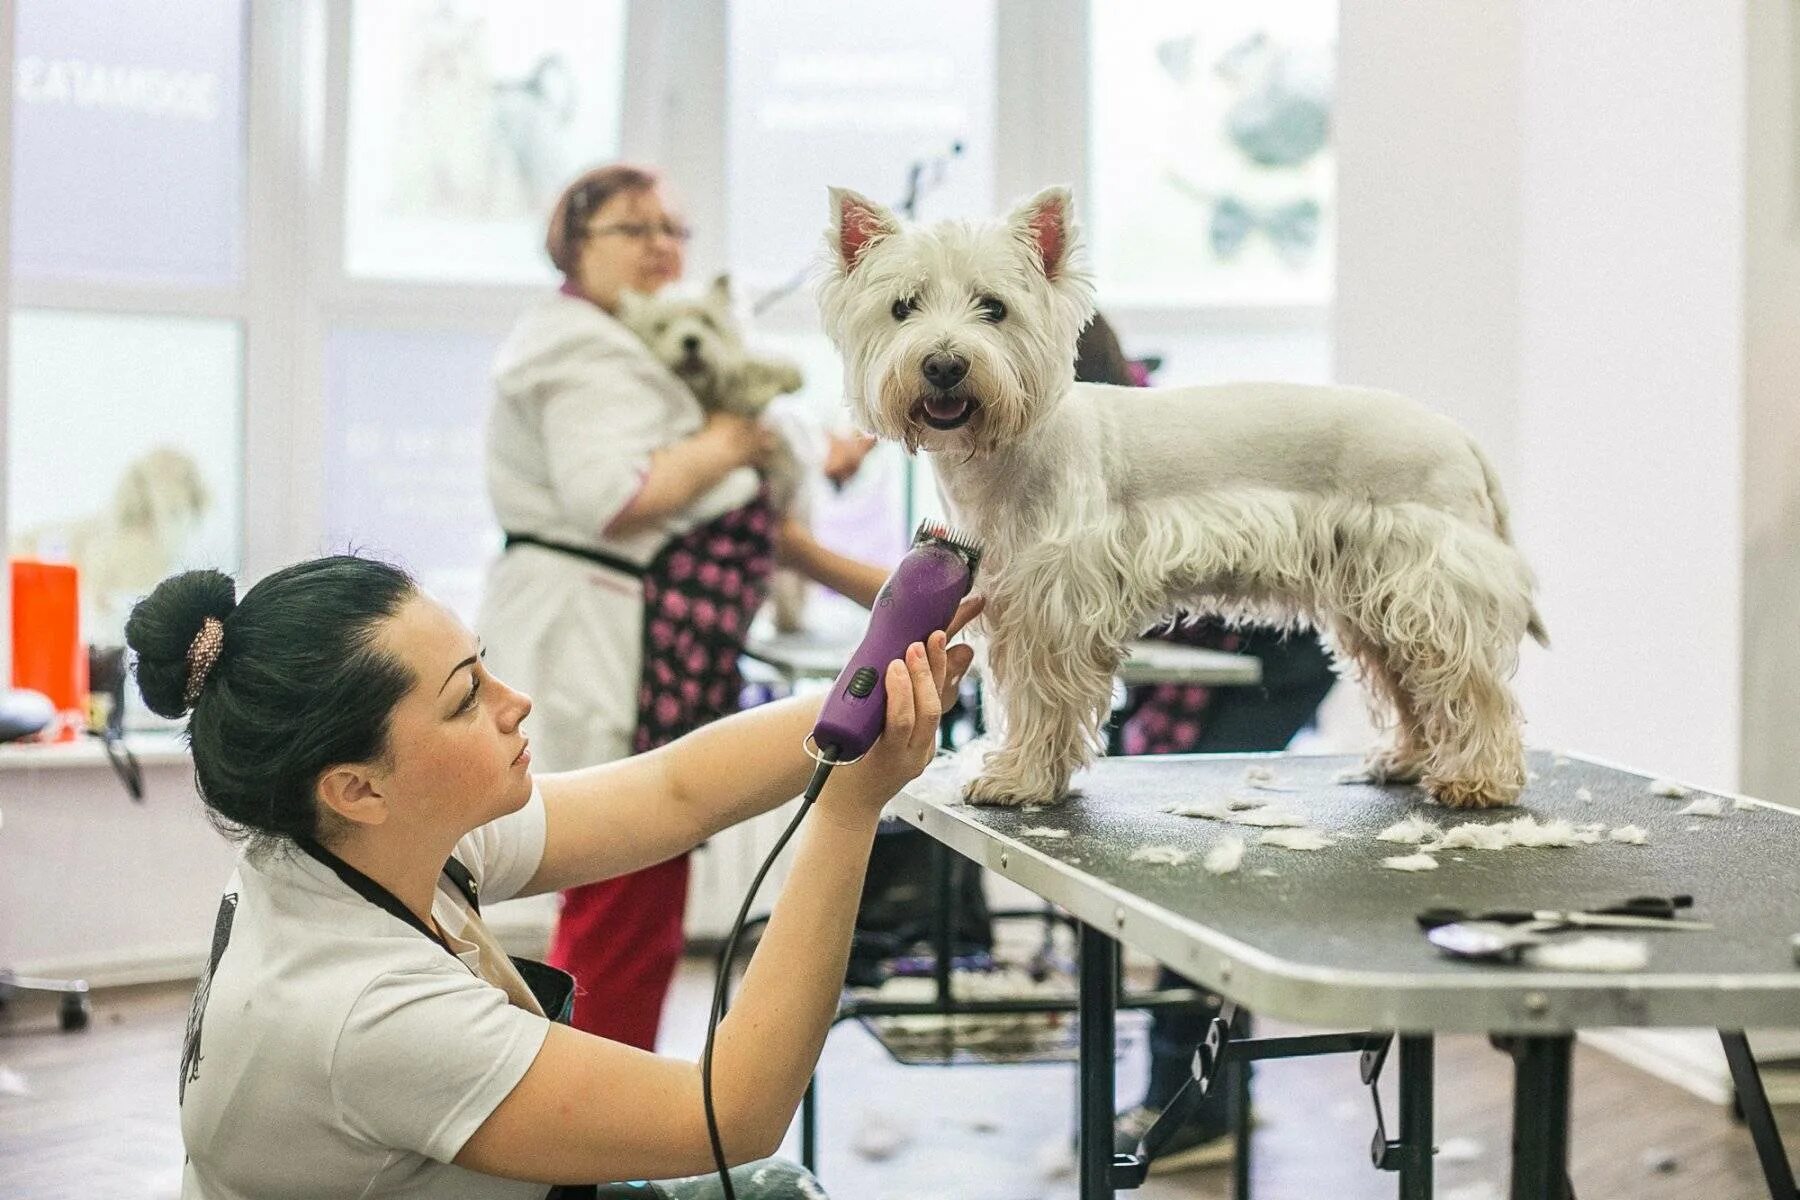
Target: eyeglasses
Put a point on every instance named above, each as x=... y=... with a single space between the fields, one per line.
x=643 y=231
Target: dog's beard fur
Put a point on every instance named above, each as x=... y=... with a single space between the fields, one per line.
x=1357 y=511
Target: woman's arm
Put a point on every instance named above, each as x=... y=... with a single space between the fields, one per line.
x=796 y=547
x=682 y=472
x=589 y=1109
x=623 y=816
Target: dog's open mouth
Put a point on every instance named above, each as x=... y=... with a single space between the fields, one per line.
x=947 y=411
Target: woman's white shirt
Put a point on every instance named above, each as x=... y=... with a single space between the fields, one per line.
x=581 y=405
x=337 y=1051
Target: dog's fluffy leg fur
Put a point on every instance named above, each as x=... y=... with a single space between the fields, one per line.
x=1056 y=700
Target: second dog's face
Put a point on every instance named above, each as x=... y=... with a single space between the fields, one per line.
x=697 y=339
x=955 y=336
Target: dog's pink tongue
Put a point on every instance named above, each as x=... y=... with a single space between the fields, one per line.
x=946 y=408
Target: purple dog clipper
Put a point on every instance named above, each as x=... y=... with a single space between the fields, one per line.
x=917 y=600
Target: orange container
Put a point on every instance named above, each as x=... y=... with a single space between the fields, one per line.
x=47 y=653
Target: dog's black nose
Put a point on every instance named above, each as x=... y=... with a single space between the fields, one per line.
x=945 y=371
x=690 y=343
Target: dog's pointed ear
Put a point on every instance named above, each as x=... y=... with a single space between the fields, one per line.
x=719 y=294
x=1046 y=223
x=857 y=223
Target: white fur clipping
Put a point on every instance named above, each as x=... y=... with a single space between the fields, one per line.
x=1269 y=818
x=1583 y=795
x=1259 y=775
x=1590 y=952
x=1043 y=831
x=1703 y=806
x=1410 y=862
x=1167 y=856
x=1225 y=856
x=1663 y=787
x=1295 y=839
x=1523 y=831
x=1411 y=831
x=1629 y=835
x=879 y=1136
x=1238 y=811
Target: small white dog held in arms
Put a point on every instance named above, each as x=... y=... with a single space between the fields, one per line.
x=1103 y=510
x=700 y=341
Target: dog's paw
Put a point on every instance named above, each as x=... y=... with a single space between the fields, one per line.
x=1472 y=793
x=1011 y=791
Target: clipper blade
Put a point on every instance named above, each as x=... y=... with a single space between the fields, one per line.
x=948 y=535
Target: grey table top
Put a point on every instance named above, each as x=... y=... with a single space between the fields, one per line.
x=821 y=655
x=1330 y=939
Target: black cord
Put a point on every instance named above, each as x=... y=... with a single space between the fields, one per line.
x=722 y=978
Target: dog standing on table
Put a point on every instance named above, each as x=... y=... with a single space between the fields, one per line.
x=1104 y=510
x=700 y=341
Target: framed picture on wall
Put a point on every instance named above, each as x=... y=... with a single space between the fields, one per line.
x=1210 y=152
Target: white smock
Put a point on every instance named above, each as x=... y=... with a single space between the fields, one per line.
x=581 y=405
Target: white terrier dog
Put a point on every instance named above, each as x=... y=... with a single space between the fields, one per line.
x=700 y=341
x=1104 y=510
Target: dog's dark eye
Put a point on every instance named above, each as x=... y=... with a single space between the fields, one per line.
x=904 y=308
x=992 y=310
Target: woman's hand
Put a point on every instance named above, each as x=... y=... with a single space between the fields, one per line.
x=844 y=454
x=739 y=441
x=919 y=688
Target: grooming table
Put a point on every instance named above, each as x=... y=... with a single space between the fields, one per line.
x=1330 y=940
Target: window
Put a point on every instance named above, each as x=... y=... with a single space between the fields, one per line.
x=405 y=474
x=124 y=451
x=128 y=141
x=1210 y=152
x=466 y=120
x=820 y=94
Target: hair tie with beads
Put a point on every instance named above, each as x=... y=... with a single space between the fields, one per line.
x=201 y=656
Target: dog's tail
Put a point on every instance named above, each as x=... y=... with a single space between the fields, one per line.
x=1534 y=624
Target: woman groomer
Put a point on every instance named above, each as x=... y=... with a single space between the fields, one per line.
x=639 y=543
x=357 y=1031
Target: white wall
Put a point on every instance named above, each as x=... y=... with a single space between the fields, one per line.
x=1541 y=233
x=1428 y=143
x=1630 y=376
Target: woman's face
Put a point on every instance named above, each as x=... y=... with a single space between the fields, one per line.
x=635 y=241
x=457 y=758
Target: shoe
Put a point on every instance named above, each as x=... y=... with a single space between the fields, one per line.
x=1197 y=1144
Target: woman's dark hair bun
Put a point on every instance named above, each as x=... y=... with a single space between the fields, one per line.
x=163 y=626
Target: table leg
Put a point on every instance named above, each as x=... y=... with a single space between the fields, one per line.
x=1540 y=1149
x=1099 y=957
x=1416 y=1087
x=809 y=1126
x=1754 y=1101
x=1240 y=1072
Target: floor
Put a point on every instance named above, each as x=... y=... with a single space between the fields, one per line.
x=93 y=1114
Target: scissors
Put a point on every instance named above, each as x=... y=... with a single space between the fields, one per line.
x=1504 y=935
x=1638 y=912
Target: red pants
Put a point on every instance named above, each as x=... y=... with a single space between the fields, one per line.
x=621 y=940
